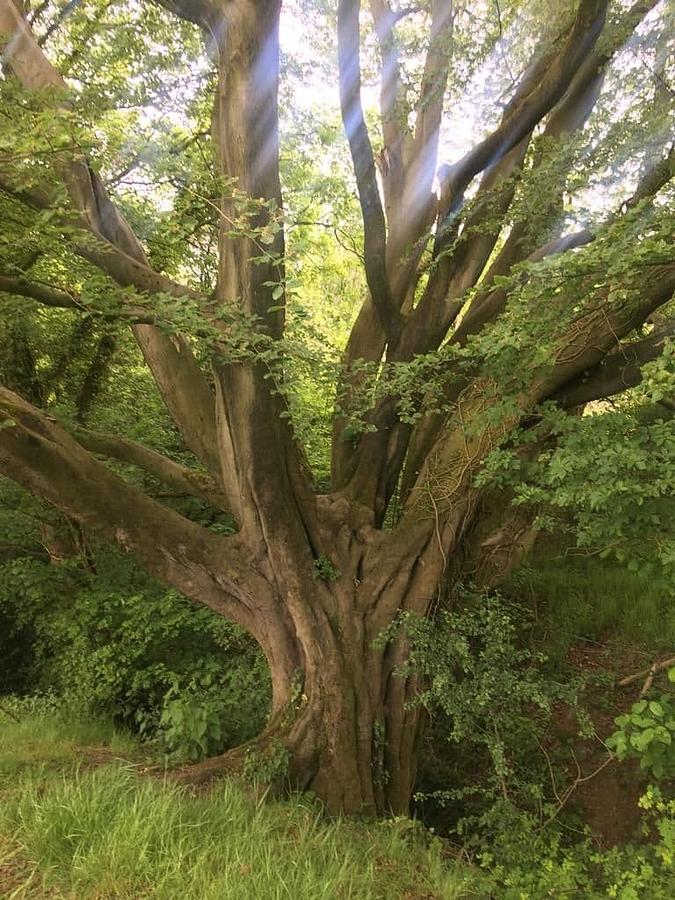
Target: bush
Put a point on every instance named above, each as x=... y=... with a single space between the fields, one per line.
x=527 y=861
x=122 y=645
x=491 y=695
x=647 y=733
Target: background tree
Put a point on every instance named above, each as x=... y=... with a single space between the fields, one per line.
x=487 y=319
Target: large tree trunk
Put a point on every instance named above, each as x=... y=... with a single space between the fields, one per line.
x=344 y=720
x=345 y=732
x=353 y=741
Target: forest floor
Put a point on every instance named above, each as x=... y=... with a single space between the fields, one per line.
x=606 y=794
x=80 y=820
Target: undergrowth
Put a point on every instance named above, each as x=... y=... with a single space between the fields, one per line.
x=110 y=831
x=575 y=597
x=81 y=818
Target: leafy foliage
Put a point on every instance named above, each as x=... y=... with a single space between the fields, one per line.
x=116 y=642
x=525 y=861
x=492 y=696
x=647 y=733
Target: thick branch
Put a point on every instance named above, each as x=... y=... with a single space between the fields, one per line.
x=407 y=168
x=603 y=324
x=524 y=115
x=444 y=478
x=55 y=297
x=460 y=262
x=487 y=305
x=41 y=456
x=618 y=371
x=472 y=252
x=182 y=478
x=43 y=293
x=432 y=93
x=375 y=233
x=568 y=116
x=394 y=108
x=199 y=12
x=125 y=264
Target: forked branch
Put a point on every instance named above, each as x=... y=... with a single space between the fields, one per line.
x=41 y=456
x=617 y=372
x=524 y=115
x=374 y=226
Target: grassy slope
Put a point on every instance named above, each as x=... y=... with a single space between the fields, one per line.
x=580 y=598
x=76 y=822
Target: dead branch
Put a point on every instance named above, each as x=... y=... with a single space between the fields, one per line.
x=653 y=670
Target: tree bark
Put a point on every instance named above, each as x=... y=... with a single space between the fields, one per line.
x=350 y=730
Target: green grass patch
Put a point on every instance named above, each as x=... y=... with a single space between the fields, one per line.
x=109 y=832
x=575 y=597
x=55 y=740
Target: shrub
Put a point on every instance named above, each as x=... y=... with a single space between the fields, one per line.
x=123 y=645
x=647 y=733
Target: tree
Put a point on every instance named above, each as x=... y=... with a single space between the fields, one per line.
x=483 y=321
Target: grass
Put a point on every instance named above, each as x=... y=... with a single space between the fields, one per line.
x=578 y=597
x=80 y=820
x=70 y=827
x=48 y=741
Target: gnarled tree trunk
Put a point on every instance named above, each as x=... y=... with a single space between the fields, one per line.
x=316 y=579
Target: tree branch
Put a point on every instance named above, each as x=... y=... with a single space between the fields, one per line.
x=375 y=232
x=601 y=326
x=524 y=115
x=407 y=168
x=184 y=479
x=487 y=305
x=41 y=456
x=618 y=371
x=393 y=105
x=125 y=268
x=568 y=116
x=448 y=466
x=427 y=325
x=432 y=93
x=459 y=262
x=654 y=178
x=43 y=293
x=199 y=12
x=49 y=295
x=171 y=361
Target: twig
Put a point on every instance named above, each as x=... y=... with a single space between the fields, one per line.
x=580 y=779
x=649 y=673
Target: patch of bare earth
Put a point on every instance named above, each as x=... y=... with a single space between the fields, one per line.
x=605 y=794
